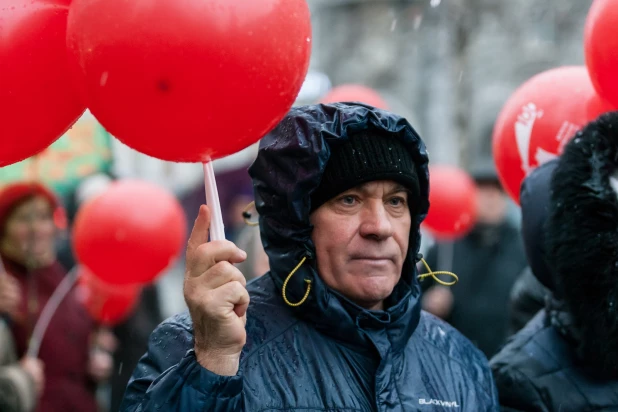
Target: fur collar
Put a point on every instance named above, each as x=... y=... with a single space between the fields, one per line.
x=582 y=240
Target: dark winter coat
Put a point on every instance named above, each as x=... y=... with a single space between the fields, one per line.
x=328 y=354
x=65 y=348
x=566 y=358
x=527 y=299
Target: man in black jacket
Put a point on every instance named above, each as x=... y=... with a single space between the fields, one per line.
x=336 y=324
x=566 y=358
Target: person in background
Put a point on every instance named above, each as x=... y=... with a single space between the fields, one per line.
x=256 y=263
x=237 y=204
x=487 y=261
x=235 y=192
x=27 y=249
x=21 y=382
x=566 y=358
x=534 y=284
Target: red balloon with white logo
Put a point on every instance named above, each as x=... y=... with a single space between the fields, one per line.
x=539 y=119
x=452 y=202
x=355 y=93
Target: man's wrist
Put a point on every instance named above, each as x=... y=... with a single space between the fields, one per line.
x=218 y=363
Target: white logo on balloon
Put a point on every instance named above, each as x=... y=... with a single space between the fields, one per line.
x=523 y=133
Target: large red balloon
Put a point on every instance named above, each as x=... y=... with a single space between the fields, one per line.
x=189 y=80
x=539 y=119
x=596 y=106
x=37 y=103
x=355 y=93
x=108 y=304
x=601 y=48
x=452 y=202
x=130 y=233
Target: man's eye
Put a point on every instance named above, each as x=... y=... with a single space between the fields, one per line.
x=397 y=201
x=348 y=200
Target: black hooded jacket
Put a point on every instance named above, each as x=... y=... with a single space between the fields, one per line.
x=566 y=358
x=327 y=354
x=535 y=282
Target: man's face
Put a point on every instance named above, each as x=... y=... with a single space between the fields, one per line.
x=361 y=238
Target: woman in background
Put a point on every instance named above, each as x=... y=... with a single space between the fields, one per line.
x=27 y=249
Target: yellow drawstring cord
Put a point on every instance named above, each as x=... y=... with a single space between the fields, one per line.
x=246 y=215
x=421 y=277
x=285 y=284
x=433 y=275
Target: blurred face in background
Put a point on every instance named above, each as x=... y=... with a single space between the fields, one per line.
x=29 y=233
x=261 y=265
x=492 y=203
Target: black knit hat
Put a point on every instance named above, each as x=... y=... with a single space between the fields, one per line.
x=366 y=156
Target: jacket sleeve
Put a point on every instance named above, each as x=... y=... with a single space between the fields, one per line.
x=17 y=390
x=516 y=392
x=169 y=378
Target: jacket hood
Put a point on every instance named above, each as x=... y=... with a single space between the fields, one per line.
x=288 y=169
x=582 y=239
x=534 y=201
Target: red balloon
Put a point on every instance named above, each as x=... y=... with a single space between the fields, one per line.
x=37 y=103
x=130 y=233
x=596 y=106
x=190 y=80
x=107 y=304
x=452 y=202
x=600 y=44
x=355 y=93
x=60 y=218
x=539 y=119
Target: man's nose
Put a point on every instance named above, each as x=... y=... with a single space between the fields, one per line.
x=376 y=222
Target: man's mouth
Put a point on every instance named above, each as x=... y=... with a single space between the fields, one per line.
x=373 y=259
